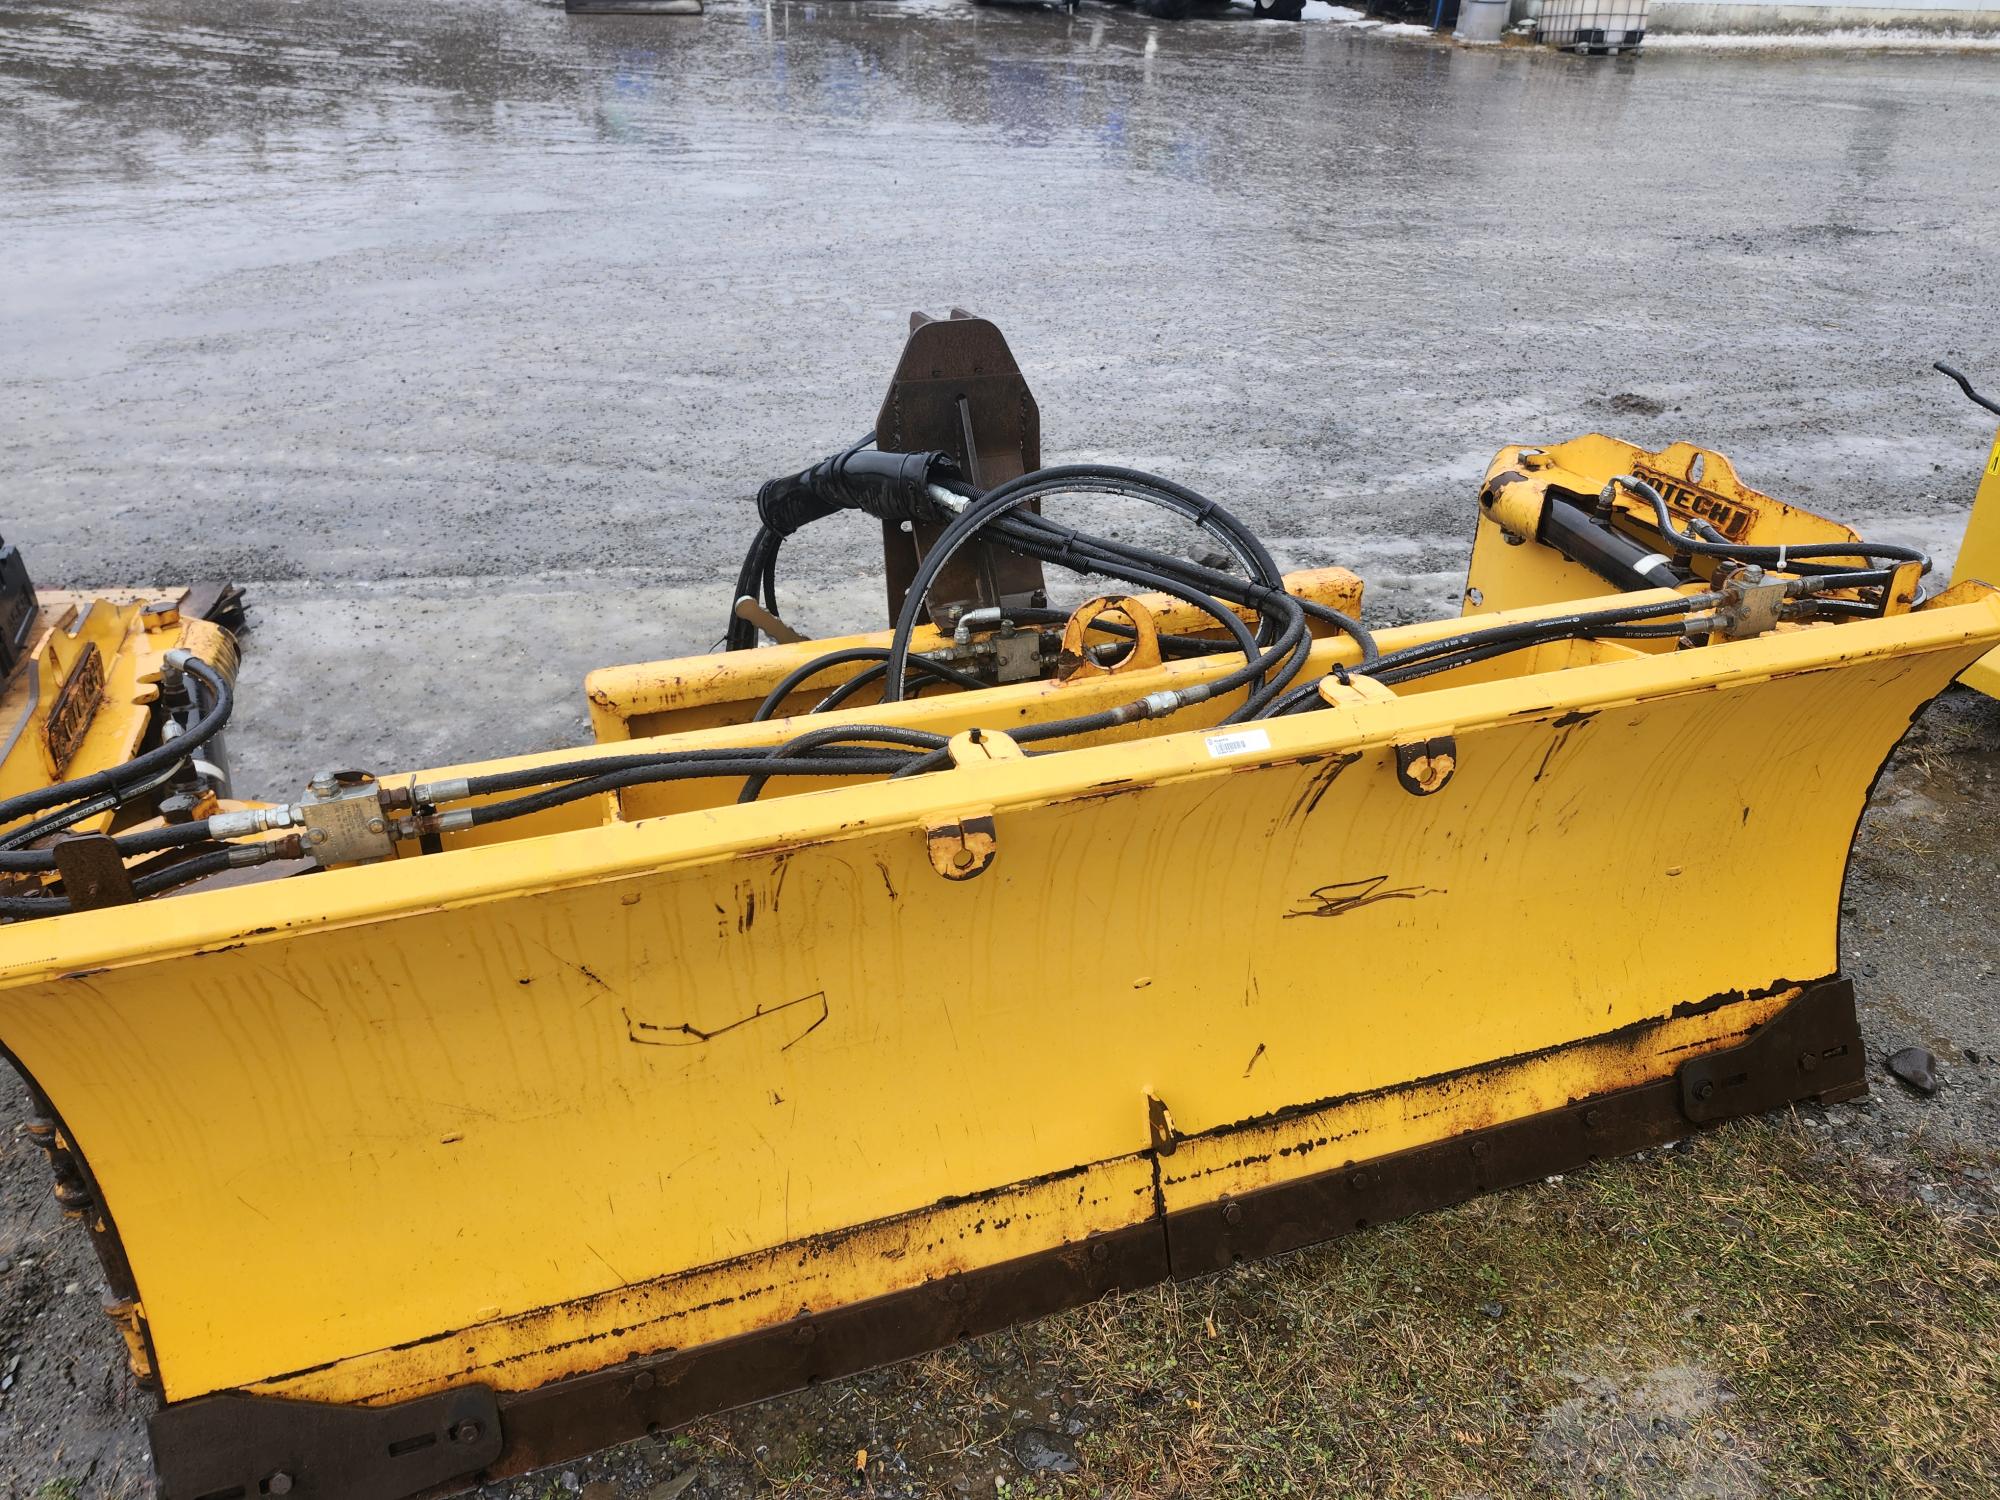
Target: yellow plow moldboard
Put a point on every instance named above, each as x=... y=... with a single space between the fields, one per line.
x=1979 y=559
x=462 y=1164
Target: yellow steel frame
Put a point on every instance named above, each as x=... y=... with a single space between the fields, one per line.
x=1509 y=571
x=111 y=636
x=531 y=1107
x=699 y=692
x=1979 y=559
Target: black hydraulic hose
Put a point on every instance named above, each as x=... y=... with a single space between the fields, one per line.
x=1093 y=555
x=864 y=678
x=1742 y=552
x=1262 y=597
x=1163 y=583
x=1280 y=612
x=1966 y=385
x=1434 y=665
x=1247 y=547
x=943 y=671
x=749 y=765
x=840 y=734
x=978 y=515
x=758 y=578
x=146 y=841
x=1085 y=552
x=1192 y=645
x=1242 y=543
x=794 y=679
x=1028 y=734
x=1553 y=627
x=1084 y=561
x=67 y=817
x=116 y=781
x=572 y=770
x=888 y=486
x=147 y=883
x=1515 y=636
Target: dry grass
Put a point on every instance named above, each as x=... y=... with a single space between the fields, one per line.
x=1743 y=1316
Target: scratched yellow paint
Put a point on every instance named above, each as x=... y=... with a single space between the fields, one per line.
x=515 y=1111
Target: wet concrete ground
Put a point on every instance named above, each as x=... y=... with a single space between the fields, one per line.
x=461 y=334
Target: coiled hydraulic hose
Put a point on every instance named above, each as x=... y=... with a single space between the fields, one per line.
x=1281 y=633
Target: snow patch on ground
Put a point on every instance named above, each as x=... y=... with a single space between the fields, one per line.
x=932 y=7
x=1901 y=39
x=1356 y=21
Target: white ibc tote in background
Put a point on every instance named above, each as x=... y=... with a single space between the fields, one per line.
x=1595 y=25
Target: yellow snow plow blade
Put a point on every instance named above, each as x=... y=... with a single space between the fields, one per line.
x=461 y=1162
x=852 y=997
x=1979 y=559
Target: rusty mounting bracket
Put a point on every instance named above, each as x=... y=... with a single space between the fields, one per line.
x=1425 y=766
x=958 y=389
x=962 y=844
x=1809 y=1050
x=237 y=1447
x=93 y=871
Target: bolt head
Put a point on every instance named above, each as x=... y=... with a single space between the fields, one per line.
x=1232 y=1213
x=279 y=1483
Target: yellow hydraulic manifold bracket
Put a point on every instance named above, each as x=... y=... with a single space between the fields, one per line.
x=82 y=700
x=1507 y=572
x=1697 y=484
x=750 y=1074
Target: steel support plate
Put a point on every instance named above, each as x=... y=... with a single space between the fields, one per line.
x=232 y=1447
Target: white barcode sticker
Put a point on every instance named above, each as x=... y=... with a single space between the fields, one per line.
x=1240 y=742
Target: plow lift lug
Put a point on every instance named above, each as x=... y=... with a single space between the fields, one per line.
x=958 y=389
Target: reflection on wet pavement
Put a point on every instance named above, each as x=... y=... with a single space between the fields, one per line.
x=367 y=290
